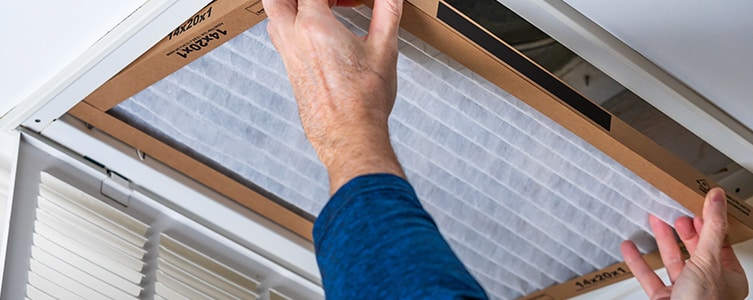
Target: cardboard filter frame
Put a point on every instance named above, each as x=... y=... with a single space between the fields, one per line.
x=458 y=36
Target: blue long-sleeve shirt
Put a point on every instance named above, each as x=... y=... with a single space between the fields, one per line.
x=374 y=240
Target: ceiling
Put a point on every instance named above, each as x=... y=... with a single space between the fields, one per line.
x=51 y=40
x=33 y=63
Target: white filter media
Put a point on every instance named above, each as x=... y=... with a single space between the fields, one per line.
x=525 y=203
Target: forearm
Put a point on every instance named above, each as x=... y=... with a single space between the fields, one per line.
x=375 y=241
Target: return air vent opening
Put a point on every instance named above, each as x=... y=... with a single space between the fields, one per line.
x=598 y=87
x=524 y=202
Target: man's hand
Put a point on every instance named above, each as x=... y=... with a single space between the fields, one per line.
x=712 y=272
x=345 y=85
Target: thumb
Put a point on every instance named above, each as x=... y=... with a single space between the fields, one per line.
x=317 y=6
x=283 y=11
x=714 y=227
x=385 y=22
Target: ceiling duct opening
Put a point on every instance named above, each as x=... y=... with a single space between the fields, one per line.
x=611 y=95
x=488 y=167
x=520 y=193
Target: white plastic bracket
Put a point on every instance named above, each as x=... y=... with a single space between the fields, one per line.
x=117 y=188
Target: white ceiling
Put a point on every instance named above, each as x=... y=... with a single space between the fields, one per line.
x=707 y=45
x=48 y=36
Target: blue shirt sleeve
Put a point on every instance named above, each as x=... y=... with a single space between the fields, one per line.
x=374 y=240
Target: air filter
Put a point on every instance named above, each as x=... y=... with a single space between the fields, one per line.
x=525 y=203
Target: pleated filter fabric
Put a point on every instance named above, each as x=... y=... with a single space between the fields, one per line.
x=525 y=203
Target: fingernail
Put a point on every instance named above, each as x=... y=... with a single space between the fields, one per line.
x=717 y=196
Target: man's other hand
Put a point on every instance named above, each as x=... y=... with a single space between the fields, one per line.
x=712 y=272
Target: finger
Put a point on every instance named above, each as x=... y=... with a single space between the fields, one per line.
x=698 y=223
x=714 y=225
x=649 y=281
x=670 y=252
x=385 y=22
x=281 y=12
x=687 y=233
x=316 y=5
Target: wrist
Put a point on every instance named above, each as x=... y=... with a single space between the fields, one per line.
x=355 y=154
